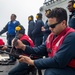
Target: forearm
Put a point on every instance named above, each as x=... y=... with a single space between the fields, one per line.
x=40 y=50
x=23 y=47
x=54 y=62
x=45 y=63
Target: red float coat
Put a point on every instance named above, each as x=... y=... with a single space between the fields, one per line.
x=53 y=45
x=27 y=38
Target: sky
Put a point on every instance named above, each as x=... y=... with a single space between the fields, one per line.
x=22 y=8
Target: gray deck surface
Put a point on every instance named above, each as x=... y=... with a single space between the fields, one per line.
x=4 y=69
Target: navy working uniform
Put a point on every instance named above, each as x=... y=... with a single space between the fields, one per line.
x=59 y=46
x=57 y=64
x=45 y=29
x=72 y=20
x=46 y=32
x=71 y=8
x=38 y=34
x=10 y=29
x=31 y=26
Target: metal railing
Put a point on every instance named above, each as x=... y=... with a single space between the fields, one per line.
x=49 y=2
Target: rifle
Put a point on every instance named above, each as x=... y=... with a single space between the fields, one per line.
x=16 y=55
x=10 y=53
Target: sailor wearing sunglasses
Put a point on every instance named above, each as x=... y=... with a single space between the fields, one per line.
x=59 y=47
x=55 y=26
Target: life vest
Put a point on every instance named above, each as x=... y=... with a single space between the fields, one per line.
x=53 y=45
x=27 y=38
x=1 y=42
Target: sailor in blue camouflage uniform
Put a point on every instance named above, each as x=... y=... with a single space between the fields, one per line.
x=71 y=8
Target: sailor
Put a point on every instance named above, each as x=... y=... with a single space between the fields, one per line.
x=59 y=46
x=38 y=34
x=45 y=29
x=21 y=68
x=10 y=29
x=31 y=26
x=71 y=8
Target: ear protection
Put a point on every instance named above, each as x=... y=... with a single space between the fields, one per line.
x=20 y=29
x=37 y=16
x=29 y=18
x=47 y=11
x=74 y=5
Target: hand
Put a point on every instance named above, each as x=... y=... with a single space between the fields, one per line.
x=26 y=59
x=42 y=28
x=4 y=48
x=19 y=44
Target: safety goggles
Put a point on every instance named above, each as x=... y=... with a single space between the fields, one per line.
x=53 y=25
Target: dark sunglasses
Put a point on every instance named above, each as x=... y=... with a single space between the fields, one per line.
x=54 y=25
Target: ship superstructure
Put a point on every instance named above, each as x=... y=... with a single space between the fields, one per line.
x=50 y=4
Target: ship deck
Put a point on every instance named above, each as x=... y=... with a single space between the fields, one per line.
x=4 y=69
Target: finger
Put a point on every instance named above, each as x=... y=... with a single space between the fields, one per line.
x=21 y=56
x=22 y=59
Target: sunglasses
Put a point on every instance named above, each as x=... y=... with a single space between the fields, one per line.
x=54 y=25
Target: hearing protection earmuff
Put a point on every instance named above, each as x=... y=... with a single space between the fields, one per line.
x=74 y=5
x=47 y=11
x=29 y=18
x=37 y=16
x=18 y=28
